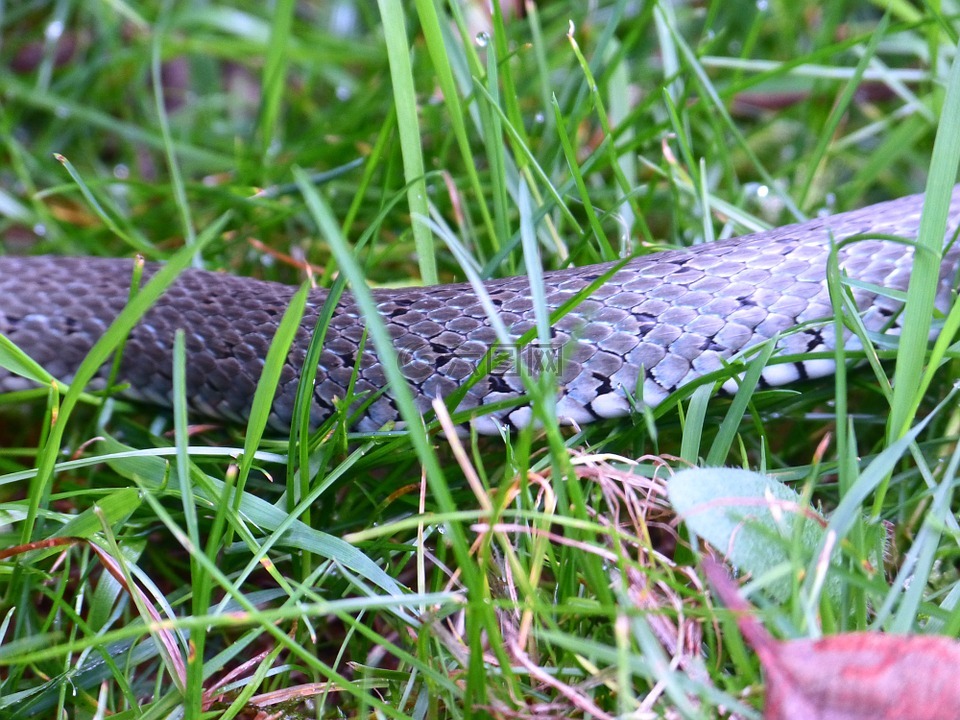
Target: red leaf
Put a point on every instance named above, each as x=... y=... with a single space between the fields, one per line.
x=850 y=676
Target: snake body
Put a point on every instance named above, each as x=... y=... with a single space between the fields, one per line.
x=656 y=323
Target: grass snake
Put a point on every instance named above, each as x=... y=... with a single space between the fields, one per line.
x=657 y=323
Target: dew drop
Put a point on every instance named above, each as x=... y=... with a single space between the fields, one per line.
x=483 y=39
x=344 y=19
x=829 y=205
x=54 y=30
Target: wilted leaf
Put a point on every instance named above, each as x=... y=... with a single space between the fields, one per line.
x=851 y=676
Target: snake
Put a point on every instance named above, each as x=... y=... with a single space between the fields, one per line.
x=623 y=334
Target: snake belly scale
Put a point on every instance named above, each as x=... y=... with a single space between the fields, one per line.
x=657 y=323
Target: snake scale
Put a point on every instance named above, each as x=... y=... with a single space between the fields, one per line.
x=655 y=324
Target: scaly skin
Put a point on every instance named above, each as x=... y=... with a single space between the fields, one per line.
x=659 y=322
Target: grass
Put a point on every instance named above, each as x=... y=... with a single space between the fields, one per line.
x=156 y=569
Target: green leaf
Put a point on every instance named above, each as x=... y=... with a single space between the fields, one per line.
x=113 y=508
x=150 y=472
x=762 y=526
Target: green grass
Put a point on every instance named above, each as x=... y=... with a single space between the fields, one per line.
x=212 y=573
